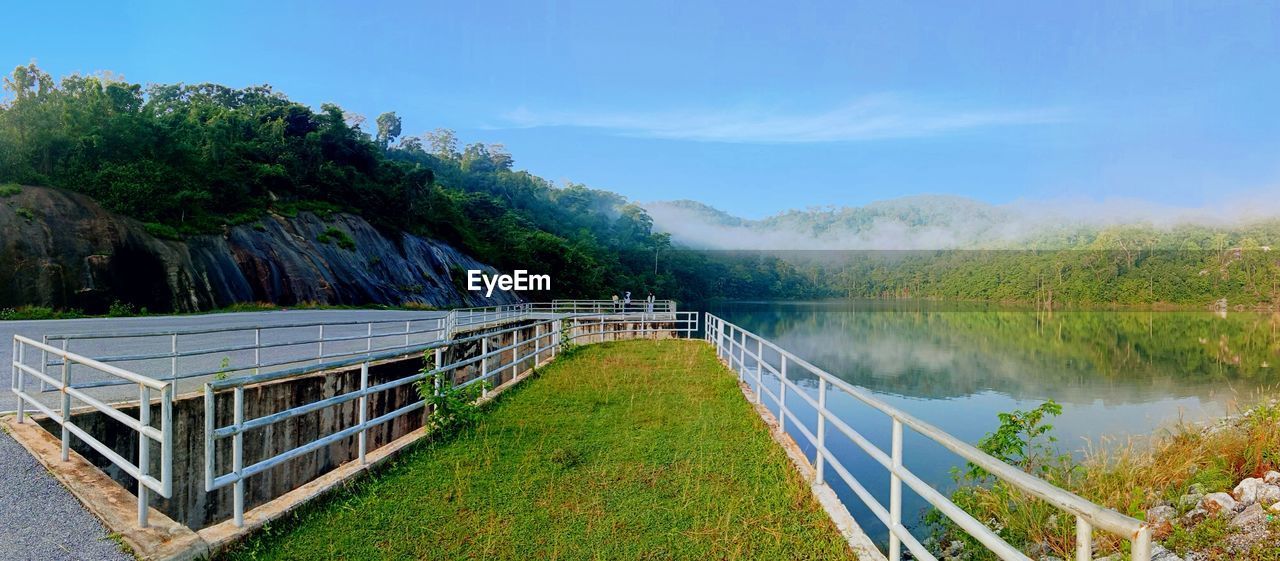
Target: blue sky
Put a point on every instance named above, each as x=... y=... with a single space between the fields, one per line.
x=750 y=107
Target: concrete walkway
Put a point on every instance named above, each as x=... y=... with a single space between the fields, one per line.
x=40 y=520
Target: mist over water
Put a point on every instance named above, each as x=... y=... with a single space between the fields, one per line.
x=939 y=222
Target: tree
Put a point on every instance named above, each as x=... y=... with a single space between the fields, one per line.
x=388 y=128
x=443 y=143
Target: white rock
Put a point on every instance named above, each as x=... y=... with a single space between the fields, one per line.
x=1247 y=491
x=1159 y=553
x=1216 y=503
x=1268 y=494
x=1272 y=478
x=1250 y=516
x=1275 y=508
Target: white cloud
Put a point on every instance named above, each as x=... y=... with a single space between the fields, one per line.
x=868 y=118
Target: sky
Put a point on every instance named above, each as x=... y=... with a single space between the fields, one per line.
x=753 y=108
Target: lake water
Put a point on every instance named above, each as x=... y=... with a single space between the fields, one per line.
x=1117 y=374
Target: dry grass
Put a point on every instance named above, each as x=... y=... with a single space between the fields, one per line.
x=1133 y=478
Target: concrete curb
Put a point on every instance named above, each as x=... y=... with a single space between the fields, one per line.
x=857 y=539
x=163 y=540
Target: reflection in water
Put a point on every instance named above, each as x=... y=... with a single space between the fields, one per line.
x=1118 y=374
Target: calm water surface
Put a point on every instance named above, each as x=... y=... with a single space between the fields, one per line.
x=1118 y=375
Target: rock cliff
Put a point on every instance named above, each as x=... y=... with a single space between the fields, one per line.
x=62 y=249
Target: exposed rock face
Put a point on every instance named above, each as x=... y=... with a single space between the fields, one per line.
x=62 y=249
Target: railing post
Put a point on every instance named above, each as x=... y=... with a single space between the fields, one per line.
x=364 y=409
x=1140 y=549
x=144 y=450
x=44 y=362
x=237 y=456
x=515 y=349
x=895 y=494
x=1084 y=539
x=166 y=440
x=484 y=358
x=173 y=360
x=66 y=410
x=759 y=357
x=821 y=463
x=782 y=395
x=537 y=343
x=406 y=333
x=368 y=336
x=19 y=351
x=440 y=368
x=320 y=347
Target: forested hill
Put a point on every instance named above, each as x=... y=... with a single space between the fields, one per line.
x=194 y=161
x=190 y=160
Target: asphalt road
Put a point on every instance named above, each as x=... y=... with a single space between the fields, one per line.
x=388 y=334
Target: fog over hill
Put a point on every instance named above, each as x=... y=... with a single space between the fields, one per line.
x=931 y=222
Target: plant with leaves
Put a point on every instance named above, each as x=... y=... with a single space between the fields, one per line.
x=453 y=406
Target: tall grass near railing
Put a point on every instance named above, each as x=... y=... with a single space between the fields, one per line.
x=1130 y=478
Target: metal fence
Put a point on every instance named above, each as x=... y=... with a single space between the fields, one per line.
x=745 y=353
x=546 y=341
x=142 y=425
x=256 y=354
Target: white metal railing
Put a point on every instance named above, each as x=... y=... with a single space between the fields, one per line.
x=242 y=349
x=548 y=337
x=142 y=425
x=610 y=306
x=744 y=352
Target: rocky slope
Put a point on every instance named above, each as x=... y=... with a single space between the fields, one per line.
x=62 y=249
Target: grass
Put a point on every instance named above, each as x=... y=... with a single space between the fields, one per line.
x=334 y=235
x=631 y=450
x=9 y=189
x=1135 y=477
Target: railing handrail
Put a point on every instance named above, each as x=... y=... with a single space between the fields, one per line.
x=1089 y=514
x=94 y=364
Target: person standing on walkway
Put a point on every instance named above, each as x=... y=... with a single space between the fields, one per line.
x=626 y=300
x=648 y=303
x=615 y=303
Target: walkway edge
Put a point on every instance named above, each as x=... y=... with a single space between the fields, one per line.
x=857 y=539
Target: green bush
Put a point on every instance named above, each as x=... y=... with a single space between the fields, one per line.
x=452 y=407
x=334 y=235
x=162 y=231
x=25 y=213
x=9 y=190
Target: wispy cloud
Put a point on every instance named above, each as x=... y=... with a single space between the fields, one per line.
x=868 y=118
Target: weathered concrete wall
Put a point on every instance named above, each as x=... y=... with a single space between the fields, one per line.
x=192 y=506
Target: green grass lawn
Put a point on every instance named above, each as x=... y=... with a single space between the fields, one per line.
x=631 y=450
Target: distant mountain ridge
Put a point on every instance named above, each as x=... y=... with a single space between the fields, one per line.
x=916 y=222
x=945 y=222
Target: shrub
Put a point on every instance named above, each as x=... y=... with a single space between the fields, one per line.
x=25 y=213
x=9 y=190
x=162 y=231
x=452 y=407
x=119 y=309
x=337 y=236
